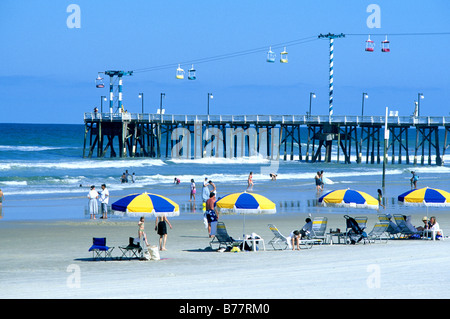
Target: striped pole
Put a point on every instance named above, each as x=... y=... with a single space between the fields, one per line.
x=330 y=107
x=111 y=94
x=331 y=37
x=120 y=93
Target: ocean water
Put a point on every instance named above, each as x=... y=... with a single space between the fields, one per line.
x=43 y=176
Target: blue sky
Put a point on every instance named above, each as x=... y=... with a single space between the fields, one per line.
x=48 y=69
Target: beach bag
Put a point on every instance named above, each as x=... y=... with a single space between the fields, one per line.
x=154 y=253
x=146 y=255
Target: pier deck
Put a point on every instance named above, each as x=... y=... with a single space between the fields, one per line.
x=272 y=136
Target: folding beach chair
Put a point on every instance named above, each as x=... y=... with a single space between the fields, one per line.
x=392 y=229
x=133 y=250
x=319 y=227
x=377 y=232
x=362 y=221
x=99 y=247
x=279 y=241
x=406 y=228
x=222 y=238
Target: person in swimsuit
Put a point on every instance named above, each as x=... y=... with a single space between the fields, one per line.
x=318 y=182
x=380 y=198
x=161 y=229
x=1 y=197
x=141 y=233
x=250 y=181
x=193 y=191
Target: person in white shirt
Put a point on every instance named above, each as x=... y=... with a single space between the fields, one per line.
x=104 y=200
x=435 y=226
x=93 y=205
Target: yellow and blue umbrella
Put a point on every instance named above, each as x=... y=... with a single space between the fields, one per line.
x=146 y=203
x=349 y=198
x=425 y=196
x=245 y=203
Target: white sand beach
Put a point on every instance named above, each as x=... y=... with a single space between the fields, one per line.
x=50 y=259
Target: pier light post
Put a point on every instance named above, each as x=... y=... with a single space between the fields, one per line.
x=160 y=104
x=364 y=96
x=419 y=97
x=141 y=96
x=210 y=96
x=102 y=98
x=311 y=96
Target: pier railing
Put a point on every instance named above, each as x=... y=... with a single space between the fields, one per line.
x=267 y=119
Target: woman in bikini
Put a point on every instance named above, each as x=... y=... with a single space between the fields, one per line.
x=141 y=233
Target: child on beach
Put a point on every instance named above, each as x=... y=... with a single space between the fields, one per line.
x=161 y=228
x=141 y=233
x=193 y=191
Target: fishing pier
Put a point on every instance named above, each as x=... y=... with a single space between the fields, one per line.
x=411 y=139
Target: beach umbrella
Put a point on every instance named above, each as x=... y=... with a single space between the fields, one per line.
x=349 y=198
x=146 y=203
x=245 y=203
x=425 y=196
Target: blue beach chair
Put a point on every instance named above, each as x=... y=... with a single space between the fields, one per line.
x=99 y=249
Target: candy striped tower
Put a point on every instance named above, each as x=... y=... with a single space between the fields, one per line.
x=111 y=94
x=331 y=37
x=120 y=94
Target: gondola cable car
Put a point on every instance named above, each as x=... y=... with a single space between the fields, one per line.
x=284 y=56
x=385 y=46
x=99 y=82
x=191 y=73
x=180 y=73
x=370 y=45
x=271 y=56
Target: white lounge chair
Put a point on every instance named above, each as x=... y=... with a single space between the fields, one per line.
x=319 y=226
x=279 y=241
x=406 y=228
x=378 y=231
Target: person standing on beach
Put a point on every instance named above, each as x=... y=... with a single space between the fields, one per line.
x=104 y=200
x=250 y=181
x=211 y=215
x=414 y=180
x=380 y=198
x=318 y=182
x=93 y=205
x=205 y=190
x=141 y=232
x=2 y=197
x=193 y=190
x=321 y=180
x=161 y=229
x=213 y=190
